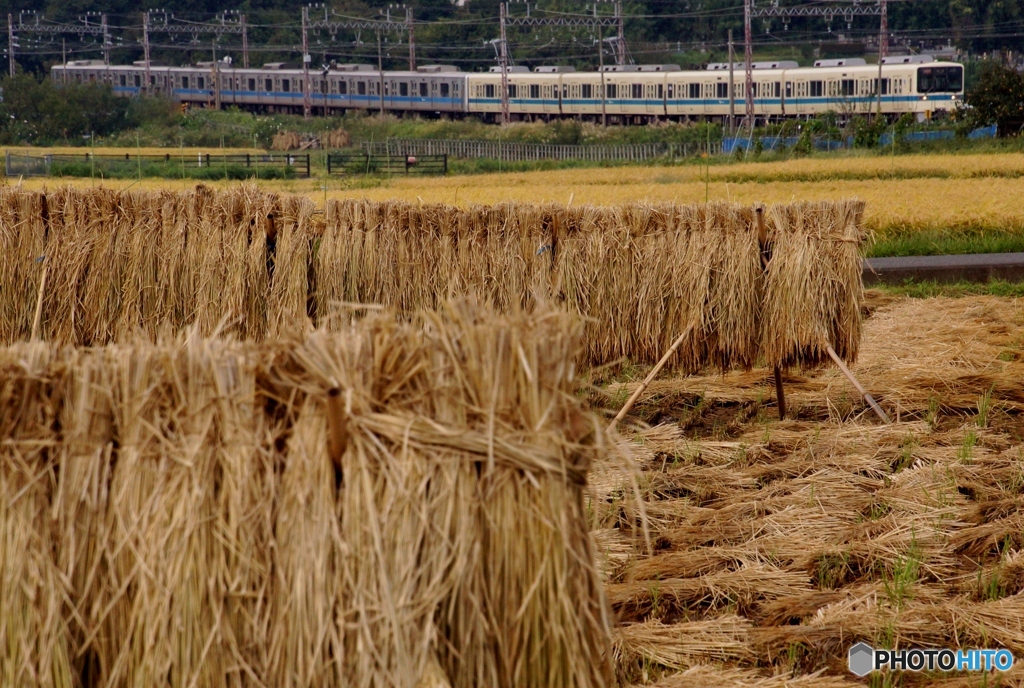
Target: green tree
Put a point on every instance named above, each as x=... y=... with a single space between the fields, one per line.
x=37 y=112
x=998 y=98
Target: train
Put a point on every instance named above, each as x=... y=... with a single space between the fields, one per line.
x=618 y=94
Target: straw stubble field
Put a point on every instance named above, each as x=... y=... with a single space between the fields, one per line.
x=776 y=545
x=213 y=493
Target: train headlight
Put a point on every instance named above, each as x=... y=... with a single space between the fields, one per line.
x=924 y=97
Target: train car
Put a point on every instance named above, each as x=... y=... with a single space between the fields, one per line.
x=531 y=95
x=581 y=95
x=626 y=94
x=635 y=93
x=431 y=88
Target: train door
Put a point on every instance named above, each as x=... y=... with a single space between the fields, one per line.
x=707 y=96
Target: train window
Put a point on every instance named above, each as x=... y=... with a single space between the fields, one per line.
x=721 y=90
x=488 y=90
x=268 y=85
x=251 y=84
x=637 y=90
x=612 y=90
x=138 y=81
x=534 y=91
x=694 y=90
x=816 y=89
x=286 y=85
x=361 y=88
x=587 y=91
x=184 y=82
x=123 y=80
x=661 y=91
x=513 y=91
x=403 y=88
x=789 y=89
x=848 y=87
x=200 y=82
x=778 y=89
x=444 y=90
x=423 y=89
x=939 y=79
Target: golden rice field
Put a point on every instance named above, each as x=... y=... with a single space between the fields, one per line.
x=903 y=193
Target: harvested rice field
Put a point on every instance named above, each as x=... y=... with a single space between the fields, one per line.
x=776 y=545
x=250 y=441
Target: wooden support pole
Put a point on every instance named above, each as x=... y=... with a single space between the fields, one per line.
x=762 y=240
x=853 y=381
x=780 y=393
x=650 y=377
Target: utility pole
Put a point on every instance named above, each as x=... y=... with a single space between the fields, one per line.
x=145 y=50
x=883 y=43
x=10 y=43
x=600 y=70
x=620 y=41
x=732 y=89
x=64 y=57
x=504 y=66
x=306 y=107
x=748 y=57
x=215 y=75
x=380 y=71
x=412 y=39
x=883 y=48
x=245 y=41
x=106 y=39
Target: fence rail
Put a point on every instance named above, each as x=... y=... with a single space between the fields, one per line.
x=235 y=166
x=384 y=163
x=515 y=152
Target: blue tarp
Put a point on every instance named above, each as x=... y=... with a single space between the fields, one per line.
x=729 y=144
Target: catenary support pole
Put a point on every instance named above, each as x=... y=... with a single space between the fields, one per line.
x=732 y=88
x=503 y=58
x=748 y=65
x=10 y=44
x=148 y=86
x=412 y=39
x=245 y=42
x=306 y=104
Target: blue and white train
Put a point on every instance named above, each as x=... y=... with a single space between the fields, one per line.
x=623 y=94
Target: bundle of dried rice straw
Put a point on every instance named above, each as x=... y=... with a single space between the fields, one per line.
x=396 y=503
x=112 y=265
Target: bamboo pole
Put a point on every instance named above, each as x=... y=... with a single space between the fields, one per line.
x=650 y=377
x=853 y=381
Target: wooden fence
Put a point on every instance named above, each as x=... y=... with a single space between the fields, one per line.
x=381 y=163
x=514 y=152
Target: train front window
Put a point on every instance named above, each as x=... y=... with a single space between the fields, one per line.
x=940 y=79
